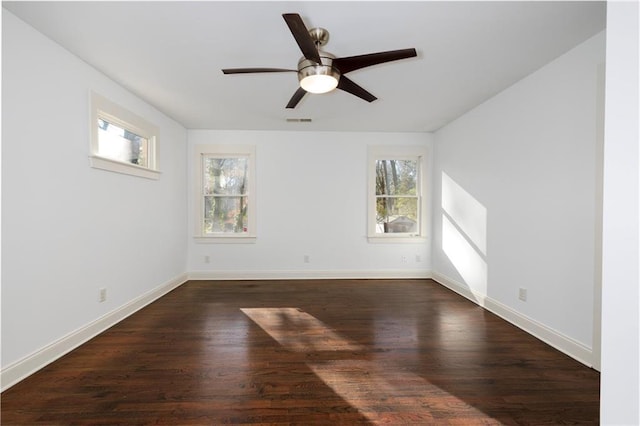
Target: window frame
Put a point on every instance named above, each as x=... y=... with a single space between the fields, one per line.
x=224 y=151
x=390 y=152
x=103 y=108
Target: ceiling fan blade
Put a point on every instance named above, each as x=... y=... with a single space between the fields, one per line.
x=297 y=97
x=349 y=86
x=254 y=70
x=352 y=63
x=301 y=34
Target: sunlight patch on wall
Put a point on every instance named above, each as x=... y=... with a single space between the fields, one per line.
x=466 y=212
x=464 y=234
x=298 y=331
x=469 y=264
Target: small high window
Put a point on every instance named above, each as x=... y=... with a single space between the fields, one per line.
x=120 y=144
x=121 y=141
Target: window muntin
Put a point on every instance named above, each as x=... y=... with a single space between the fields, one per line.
x=121 y=141
x=225 y=197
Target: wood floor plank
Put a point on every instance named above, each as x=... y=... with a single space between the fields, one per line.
x=309 y=352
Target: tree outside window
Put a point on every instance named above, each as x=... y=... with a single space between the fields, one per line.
x=225 y=195
x=397 y=198
x=397 y=201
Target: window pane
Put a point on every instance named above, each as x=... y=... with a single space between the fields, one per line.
x=396 y=214
x=225 y=214
x=119 y=144
x=396 y=177
x=225 y=176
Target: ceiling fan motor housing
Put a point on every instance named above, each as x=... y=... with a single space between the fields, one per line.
x=308 y=69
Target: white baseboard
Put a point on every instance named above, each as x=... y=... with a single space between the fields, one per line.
x=28 y=365
x=461 y=289
x=562 y=342
x=310 y=275
x=554 y=338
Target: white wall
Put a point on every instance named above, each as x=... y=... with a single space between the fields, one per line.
x=525 y=162
x=620 y=386
x=312 y=198
x=68 y=229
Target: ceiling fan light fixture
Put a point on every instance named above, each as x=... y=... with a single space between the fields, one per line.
x=319 y=81
x=318 y=78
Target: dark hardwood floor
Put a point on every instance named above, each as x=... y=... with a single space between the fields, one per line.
x=309 y=352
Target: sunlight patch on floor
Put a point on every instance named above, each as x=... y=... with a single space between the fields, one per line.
x=367 y=386
x=383 y=393
x=299 y=331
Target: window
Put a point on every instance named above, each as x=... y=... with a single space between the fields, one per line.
x=397 y=204
x=121 y=141
x=225 y=199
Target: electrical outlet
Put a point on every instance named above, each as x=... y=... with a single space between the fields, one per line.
x=307 y=258
x=102 y=295
x=522 y=294
x=418 y=258
x=207 y=259
x=403 y=259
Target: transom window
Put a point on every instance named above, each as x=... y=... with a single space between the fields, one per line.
x=121 y=141
x=120 y=144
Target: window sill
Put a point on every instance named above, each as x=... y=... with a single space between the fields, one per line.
x=103 y=163
x=225 y=240
x=397 y=240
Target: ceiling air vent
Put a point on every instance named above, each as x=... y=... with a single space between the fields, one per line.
x=298 y=120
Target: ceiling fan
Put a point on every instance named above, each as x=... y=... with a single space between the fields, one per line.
x=320 y=71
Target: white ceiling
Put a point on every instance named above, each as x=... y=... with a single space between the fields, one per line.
x=171 y=53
